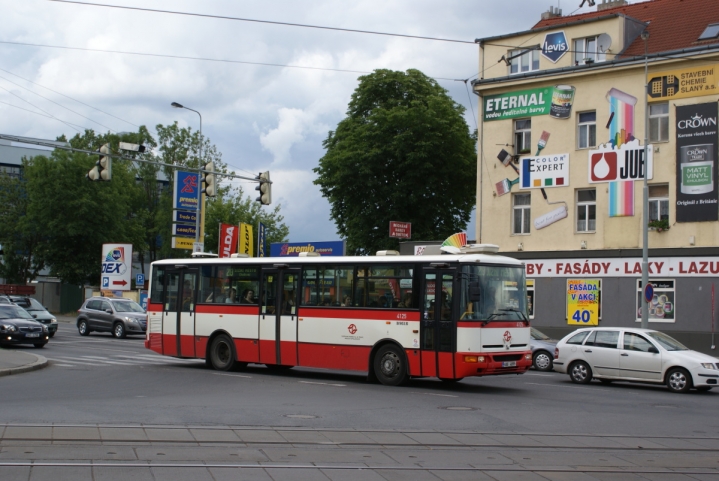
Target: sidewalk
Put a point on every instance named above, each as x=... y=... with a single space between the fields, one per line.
x=16 y=362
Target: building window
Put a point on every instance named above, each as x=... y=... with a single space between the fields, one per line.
x=523 y=62
x=662 y=308
x=659 y=202
x=586 y=210
x=587 y=51
x=712 y=31
x=520 y=213
x=659 y=122
x=523 y=136
x=587 y=134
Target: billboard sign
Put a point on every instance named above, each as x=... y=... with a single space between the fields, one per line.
x=246 y=246
x=544 y=171
x=684 y=83
x=554 y=47
x=287 y=249
x=184 y=217
x=400 y=230
x=185 y=191
x=116 y=273
x=623 y=163
x=583 y=302
x=522 y=103
x=696 y=185
x=229 y=237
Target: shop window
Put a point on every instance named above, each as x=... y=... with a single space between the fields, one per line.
x=524 y=61
x=587 y=130
x=521 y=213
x=530 y=298
x=523 y=136
x=659 y=202
x=659 y=122
x=588 y=51
x=586 y=210
x=662 y=307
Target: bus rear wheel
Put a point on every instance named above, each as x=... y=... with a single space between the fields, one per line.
x=222 y=353
x=390 y=365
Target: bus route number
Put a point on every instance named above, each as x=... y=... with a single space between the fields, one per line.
x=401 y=316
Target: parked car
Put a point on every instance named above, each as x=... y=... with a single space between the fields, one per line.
x=106 y=314
x=542 y=350
x=19 y=327
x=632 y=354
x=37 y=311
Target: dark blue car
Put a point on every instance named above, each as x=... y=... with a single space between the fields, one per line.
x=19 y=327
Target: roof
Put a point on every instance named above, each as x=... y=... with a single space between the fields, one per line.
x=673 y=24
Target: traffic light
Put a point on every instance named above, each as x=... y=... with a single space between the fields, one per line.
x=265 y=188
x=103 y=167
x=209 y=186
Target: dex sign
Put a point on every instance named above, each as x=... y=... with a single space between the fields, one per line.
x=116 y=273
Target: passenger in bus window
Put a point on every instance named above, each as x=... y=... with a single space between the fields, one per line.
x=248 y=297
x=347 y=301
x=232 y=296
x=407 y=301
x=382 y=302
x=288 y=303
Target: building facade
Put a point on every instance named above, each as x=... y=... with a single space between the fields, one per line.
x=574 y=113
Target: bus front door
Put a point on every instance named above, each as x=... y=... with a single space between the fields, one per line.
x=438 y=331
x=278 y=317
x=178 y=317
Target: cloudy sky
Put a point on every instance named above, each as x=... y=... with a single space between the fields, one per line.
x=61 y=64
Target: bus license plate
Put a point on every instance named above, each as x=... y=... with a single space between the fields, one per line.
x=32 y=334
x=509 y=364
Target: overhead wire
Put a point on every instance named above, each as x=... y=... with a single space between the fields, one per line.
x=240 y=19
x=68 y=97
x=33 y=112
x=43 y=111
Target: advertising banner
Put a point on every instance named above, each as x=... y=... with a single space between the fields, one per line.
x=261 y=240
x=555 y=45
x=183 y=230
x=186 y=243
x=544 y=171
x=246 y=246
x=185 y=191
x=116 y=273
x=523 y=103
x=697 y=194
x=700 y=266
x=286 y=249
x=229 y=238
x=620 y=163
x=684 y=83
x=583 y=302
x=184 y=217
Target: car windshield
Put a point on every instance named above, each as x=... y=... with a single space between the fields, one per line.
x=35 y=305
x=667 y=342
x=13 y=312
x=127 y=306
x=539 y=335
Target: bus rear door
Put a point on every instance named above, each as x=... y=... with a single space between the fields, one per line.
x=278 y=316
x=438 y=331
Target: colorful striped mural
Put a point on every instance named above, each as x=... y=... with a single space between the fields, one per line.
x=621 y=198
x=621 y=108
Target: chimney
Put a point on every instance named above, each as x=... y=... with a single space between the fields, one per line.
x=552 y=13
x=611 y=4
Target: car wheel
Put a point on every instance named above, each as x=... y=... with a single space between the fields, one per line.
x=580 y=372
x=118 y=330
x=704 y=388
x=222 y=353
x=52 y=334
x=83 y=328
x=679 y=380
x=389 y=366
x=542 y=361
x=40 y=345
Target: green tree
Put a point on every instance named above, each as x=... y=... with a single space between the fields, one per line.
x=76 y=216
x=232 y=207
x=404 y=153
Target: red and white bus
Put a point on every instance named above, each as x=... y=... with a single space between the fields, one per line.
x=445 y=316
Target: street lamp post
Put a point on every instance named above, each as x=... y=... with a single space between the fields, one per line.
x=645 y=215
x=198 y=213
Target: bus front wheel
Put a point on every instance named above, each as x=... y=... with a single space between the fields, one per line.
x=390 y=365
x=222 y=353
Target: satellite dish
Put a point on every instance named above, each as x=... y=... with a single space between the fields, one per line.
x=604 y=42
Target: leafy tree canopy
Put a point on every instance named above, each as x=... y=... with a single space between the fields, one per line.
x=403 y=153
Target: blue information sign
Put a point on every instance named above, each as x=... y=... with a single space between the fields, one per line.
x=293 y=249
x=140 y=279
x=186 y=185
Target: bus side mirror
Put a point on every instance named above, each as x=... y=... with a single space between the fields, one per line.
x=475 y=292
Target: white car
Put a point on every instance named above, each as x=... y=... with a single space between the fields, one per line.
x=641 y=355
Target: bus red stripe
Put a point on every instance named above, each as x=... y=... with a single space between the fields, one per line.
x=350 y=313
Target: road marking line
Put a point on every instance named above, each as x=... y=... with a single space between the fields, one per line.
x=323 y=383
x=231 y=375
x=434 y=394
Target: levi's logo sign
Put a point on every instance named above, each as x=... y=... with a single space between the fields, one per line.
x=555 y=46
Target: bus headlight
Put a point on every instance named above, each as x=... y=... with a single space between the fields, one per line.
x=528 y=356
x=473 y=359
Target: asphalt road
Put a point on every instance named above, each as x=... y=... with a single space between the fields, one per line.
x=318 y=424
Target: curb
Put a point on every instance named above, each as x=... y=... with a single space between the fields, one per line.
x=39 y=364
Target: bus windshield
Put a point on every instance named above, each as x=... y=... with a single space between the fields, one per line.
x=493 y=293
